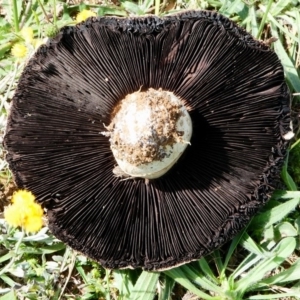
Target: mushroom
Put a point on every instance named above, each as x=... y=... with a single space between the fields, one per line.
x=213 y=108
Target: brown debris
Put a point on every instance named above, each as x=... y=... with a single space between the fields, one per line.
x=162 y=131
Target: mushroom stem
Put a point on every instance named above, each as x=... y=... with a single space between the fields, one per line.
x=148 y=133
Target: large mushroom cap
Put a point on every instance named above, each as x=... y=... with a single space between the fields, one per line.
x=233 y=88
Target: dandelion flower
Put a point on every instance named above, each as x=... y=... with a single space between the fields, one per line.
x=19 y=50
x=33 y=224
x=83 y=15
x=12 y=215
x=23 y=197
x=27 y=34
x=24 y=212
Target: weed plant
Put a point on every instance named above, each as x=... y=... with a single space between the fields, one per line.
x=262 y=262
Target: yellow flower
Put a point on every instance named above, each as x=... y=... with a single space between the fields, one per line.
x=19 y=50
x=24 y=212
x=27 y=34
x=22 y=197
x=83 y=15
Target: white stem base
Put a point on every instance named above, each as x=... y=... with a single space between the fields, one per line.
x=149 y=132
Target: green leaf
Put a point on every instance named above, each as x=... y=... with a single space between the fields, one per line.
x=252 y=24
x=282 y=250
x=207 y=270
x=278 y=7
x=8 y=280
x=249 y=244
x=5 y=27
x=275 y=296
x=297 y=225
x=4 y=48
x=229 y=7
x=245 y=265
x=166 y=288
x=82 y=6
x=257 y=253
x=116 y=11
x=122 y=282
x=285 y=194
x=219 y=264
x=179 y=276
x=275 y=214
x=268 y=233
x=43 y=249
x=264 y=18
x=285 y=229
x=146 y=5
x=66 y=14
x=6 y=256
x=282 y=28
x=81 y=271
x=288 y=180
x=289 y=68
x=9 y=296
x=132 y=8
x=145 y=287
x=290 y=274
x=201 y=280
x=232 y=248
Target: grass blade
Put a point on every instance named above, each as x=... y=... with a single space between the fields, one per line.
x=264 y=19
x=179 y=276
x=289 y=68
x=245 y=265
x=231 y=249
x=282 y=250
x=219 y=264
x=166 y=288
x=249 y=244
x=252 y=25
x=145 y=287
x=201 y=280
x=207 y=270
x=288 y=180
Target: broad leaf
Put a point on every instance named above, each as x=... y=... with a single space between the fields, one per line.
x=145 y=287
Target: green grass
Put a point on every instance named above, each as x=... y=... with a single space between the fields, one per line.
x=262 y=262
